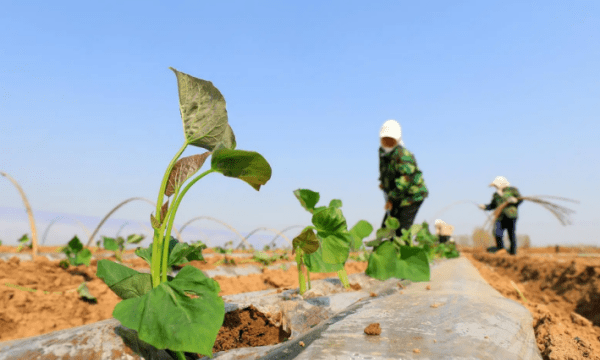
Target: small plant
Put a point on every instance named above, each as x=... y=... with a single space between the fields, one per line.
x=24 y=242
x=266 y=248
x=267 y=260
x=328 y=249
x=118 y=245
x=76 y=254
x=184 y=313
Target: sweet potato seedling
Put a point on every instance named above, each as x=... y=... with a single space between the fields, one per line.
x=24 y=242
x=183 y=313
x=118 y=245
x=76 y=254
x=328 y=249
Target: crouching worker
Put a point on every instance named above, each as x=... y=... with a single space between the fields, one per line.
x=508 y=217
x=400 y=178
x=443 y=230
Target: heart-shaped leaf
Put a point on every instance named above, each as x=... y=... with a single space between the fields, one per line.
x=329 y=220
x=359 y=231
x=183 y=169
x=110 y=244
x=203 y=111
x=314 y=263
x=336 y=203
x=188 y=309
x=335 y=245
x=383 y=262
x=307 y=241
x=308 y=198
x=248 y=166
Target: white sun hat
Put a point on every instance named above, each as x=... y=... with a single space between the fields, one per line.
x=392 y=129
x=500 y=182
x=439 y=221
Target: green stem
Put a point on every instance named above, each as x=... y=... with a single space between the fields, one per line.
x=308 y=278
x=344 y=278
x=157 y=241
x=180 y=355
x=171 y=215
x=301 y=280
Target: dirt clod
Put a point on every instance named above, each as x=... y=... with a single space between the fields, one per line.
x=373 y=294
x=428 y=287
x=373 y=329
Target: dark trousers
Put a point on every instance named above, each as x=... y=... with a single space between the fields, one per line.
x=404 y=214
x=511 y=226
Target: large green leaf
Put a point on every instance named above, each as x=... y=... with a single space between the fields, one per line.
x=359 y=231
x=335 y=245
x=383 y=262
x=203 y=111
x=314 y=263
x=330 y=220
x=183 y=253
x=184 y=314
x=413 y=264
x=307 y=241
x=308 y=198
x=249 y=166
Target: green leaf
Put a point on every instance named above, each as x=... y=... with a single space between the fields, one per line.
x=374 y=243
x=413 y=264
x=330 y=220
x=112 y=273
x=359 y=231
x=84 y=292
x=184 y=314
x=307 y=241
x=144 y=253
x=75 y=245
x=314 y=262
x=248 y=166
x=110 y=244
x=135 y=238
x=184 y=169
x=308 y=198
x=83 y=257
x=203 y=111
x=335 y=245
x=392 y=223
x=155 y=223
x=383 y=262
x=182 y=253
x=336 y=203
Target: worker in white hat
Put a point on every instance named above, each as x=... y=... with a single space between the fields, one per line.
x=400 y=178
x=508 y=218
x=443 y=230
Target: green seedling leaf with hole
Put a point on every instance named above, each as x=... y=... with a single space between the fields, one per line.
x=76 y=254
x=330 y=246
x=184 y=313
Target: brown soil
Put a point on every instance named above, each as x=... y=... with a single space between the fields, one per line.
x=56 y=305
x=562 y=292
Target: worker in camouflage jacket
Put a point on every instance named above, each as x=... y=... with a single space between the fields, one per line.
x=400 y=178
x=508 y=217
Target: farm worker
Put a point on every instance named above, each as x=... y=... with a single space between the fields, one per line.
x=443 y=230
x=400 y=178
x=508 y=218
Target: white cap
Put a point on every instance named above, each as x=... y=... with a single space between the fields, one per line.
x=439 y=221
x=500 y=182
x=391 y=128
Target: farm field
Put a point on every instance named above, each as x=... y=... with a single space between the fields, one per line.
x=560 y=289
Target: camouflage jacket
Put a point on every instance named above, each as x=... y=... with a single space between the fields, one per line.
x=509 y=211
x=400 y=176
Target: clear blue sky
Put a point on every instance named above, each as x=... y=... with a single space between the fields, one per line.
x=89 y=111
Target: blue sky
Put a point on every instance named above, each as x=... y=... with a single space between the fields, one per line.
x=89 y=111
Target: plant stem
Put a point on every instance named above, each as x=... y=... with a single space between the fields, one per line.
x=180 y=355
x=171 y=214
x=301 y=280
x=344 y=278
x=308 y=278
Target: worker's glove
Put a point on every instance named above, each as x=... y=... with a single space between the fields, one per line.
x=482 y=207
x=513 y=200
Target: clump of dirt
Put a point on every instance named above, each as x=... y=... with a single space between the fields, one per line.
x=561 y=292
x=248 y=327
x=373 y=329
